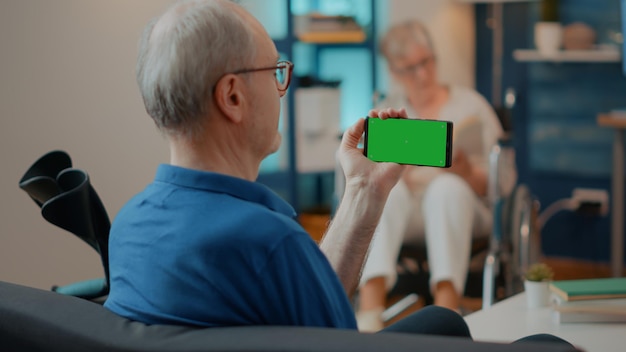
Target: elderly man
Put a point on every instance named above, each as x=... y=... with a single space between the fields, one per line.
x=204 y=244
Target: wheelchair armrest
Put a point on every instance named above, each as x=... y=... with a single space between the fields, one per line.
x=87 y=289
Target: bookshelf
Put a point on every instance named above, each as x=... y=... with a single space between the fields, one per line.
x=311 y=52
x=596 y=55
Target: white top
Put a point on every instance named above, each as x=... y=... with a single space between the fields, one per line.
x=463 y=104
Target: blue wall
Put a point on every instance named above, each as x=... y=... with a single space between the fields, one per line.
x=558 y=143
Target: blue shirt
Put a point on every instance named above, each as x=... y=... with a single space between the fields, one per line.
x=200 y=248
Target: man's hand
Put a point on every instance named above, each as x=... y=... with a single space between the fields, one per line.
x=368 y=184
x=358 y=169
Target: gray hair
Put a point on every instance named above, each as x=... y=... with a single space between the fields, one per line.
x=399 y=38
x=178 y=67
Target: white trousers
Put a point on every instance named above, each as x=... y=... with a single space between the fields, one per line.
x=446 y=216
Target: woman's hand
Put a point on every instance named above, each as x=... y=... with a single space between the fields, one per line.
x=474 y=176
x=460 y=164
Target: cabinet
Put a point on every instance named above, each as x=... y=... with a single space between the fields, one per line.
x=353 y=63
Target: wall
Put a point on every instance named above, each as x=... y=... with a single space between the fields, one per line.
x=67 y=82
x=559 y=145
x=567 y=148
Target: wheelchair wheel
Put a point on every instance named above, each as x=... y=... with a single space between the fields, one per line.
x=522 y=238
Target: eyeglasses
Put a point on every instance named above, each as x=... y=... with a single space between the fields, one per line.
x=284 y=69
x=412 y=69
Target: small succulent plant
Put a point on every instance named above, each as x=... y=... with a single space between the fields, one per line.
x=539 y=272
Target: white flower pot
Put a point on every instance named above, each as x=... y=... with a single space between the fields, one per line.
x=537 y=293
x=548 y=38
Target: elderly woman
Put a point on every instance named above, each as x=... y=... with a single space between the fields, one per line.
x=443 y=207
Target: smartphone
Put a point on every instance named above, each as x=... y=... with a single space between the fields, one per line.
x=409 y=141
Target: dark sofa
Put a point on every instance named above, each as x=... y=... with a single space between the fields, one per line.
x=37 y=320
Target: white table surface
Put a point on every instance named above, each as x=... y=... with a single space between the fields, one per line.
x=510 y=320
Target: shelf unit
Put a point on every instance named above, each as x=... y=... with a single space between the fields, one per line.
x=595 y=55
x=286 y=182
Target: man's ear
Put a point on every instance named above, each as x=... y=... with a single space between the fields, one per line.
x=229 y=97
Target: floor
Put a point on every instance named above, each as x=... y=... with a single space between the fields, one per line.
x=564 y=268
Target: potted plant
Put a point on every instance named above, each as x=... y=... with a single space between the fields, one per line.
x=537 y=285
x=548 y=30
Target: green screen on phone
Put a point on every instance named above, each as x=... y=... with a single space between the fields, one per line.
x=409 y=141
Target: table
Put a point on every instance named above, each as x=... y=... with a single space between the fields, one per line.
x=510 y=320
x=617 y=190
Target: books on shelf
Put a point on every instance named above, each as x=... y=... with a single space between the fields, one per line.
x=608 y=310
x=589 y=289
x=618 y=113
x=317 y=28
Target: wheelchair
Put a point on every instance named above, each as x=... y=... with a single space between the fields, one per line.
x=68 y=200
x=502 y=256
x=515 y=241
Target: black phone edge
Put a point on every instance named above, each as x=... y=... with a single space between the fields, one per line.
x=365 y=137
x=450 y=130
x=450 y=127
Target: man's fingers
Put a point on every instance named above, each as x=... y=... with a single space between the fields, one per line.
x=388 y=113
x=353 y=135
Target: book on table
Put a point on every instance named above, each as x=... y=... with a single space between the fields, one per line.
x=589 y=289
x=607 y=310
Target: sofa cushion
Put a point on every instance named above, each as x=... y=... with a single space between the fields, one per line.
x=36 y=320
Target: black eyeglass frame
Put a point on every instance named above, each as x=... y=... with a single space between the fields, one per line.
x=284 y=64
x=411 y=69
